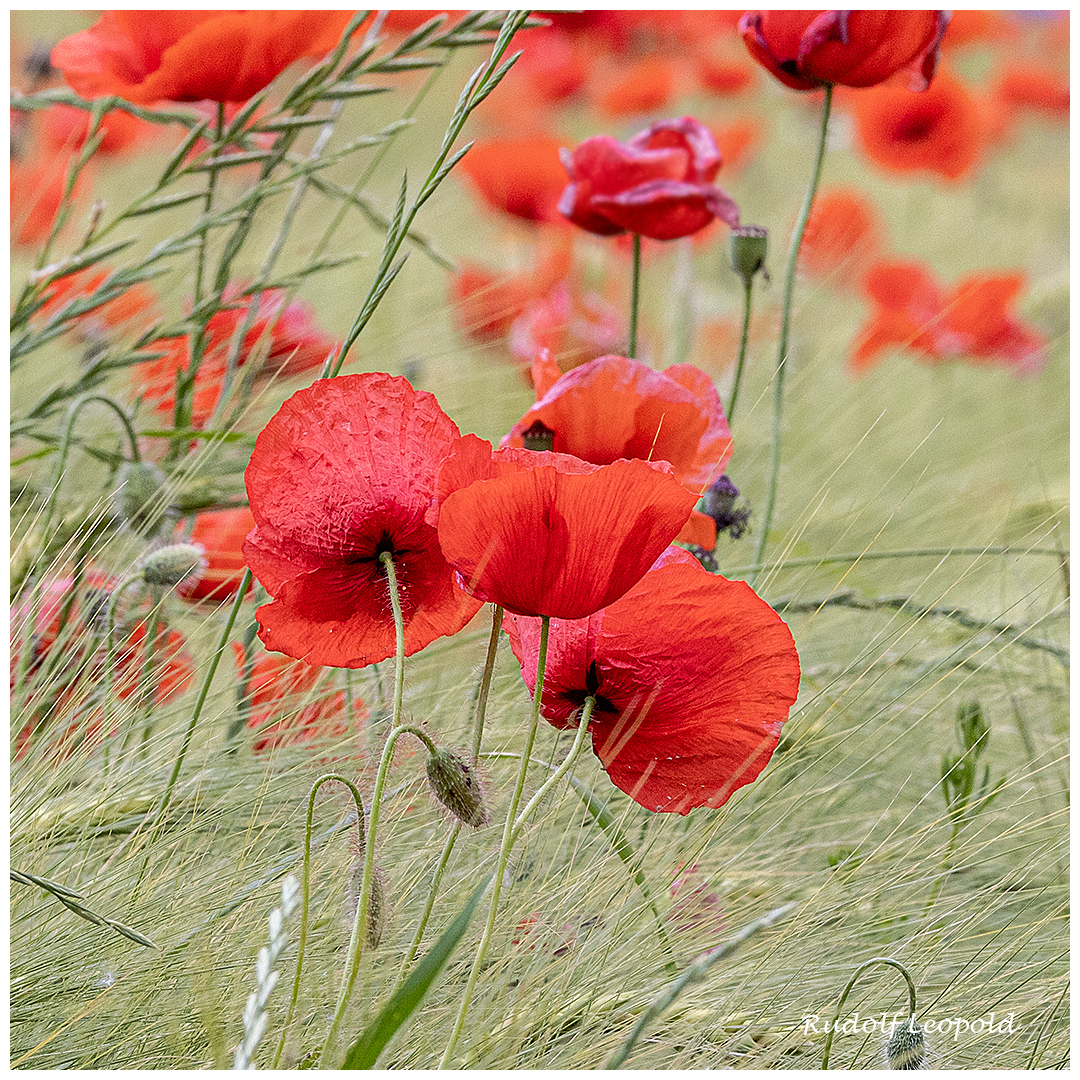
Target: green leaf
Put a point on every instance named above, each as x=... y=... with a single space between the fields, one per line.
x=365 y=1051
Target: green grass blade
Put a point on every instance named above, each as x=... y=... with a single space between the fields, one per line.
x=365 y=1051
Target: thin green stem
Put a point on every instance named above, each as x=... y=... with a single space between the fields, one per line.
x=307 y=891
x=635 y=297
x=560 y=772
x=504 y=850
x=110 y=628
x=478 y=733
x=748 y=293
x=887 y=960
x=356 y=940
x=785 y=328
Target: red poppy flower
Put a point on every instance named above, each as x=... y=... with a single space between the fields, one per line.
x=809 y=49
x=613 y=408
x=148 y=56
x=283 y=334
x=37 y=192
x=520 y=176
x=571 y=326
x=843 y=235
x=548 y=534
x=1034 y=86
x=135 y=308
x=344 y=471
x=64 y=127
x=659 y=184
x=968 y=26
x=485 y=303
x=645 y=86
x=970 y=321
x=221 y=534
x=693 y=676
x=939 y=130
x=277 y=693
x=724 y=75
x=739 y=142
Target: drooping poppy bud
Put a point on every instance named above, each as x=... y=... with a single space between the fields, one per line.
x=454 y=783
x=174 y=564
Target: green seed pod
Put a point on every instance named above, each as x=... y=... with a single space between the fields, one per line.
x=455 y=785
x=173 y=564
x=906 y=1048
x=139 y=498
x=749 y=246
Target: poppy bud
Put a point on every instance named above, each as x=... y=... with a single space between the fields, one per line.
x=173 y=564
x=377 y=906
x=455 y=785
x=139 y=497
x=538 y=436
x=749 y=246
x=906 y=1048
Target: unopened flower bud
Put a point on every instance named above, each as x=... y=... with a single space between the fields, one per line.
x=176 y=563
x=749 y=246
x=455 y=785
x=906 y=1048
x=378 y=910
x=140 y=497
x=538 y=436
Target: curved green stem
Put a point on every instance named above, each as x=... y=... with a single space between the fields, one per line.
x=889 y=961
x=65 y=446
x=785 y=327
x=748 y=293
x=635 y=298
x=356 y=939
x=307 y=891
x=504 y=850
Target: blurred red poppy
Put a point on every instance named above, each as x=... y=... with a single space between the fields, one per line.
x=1026 y=85
x=520 y=176
x=939 y=130
x=37 y=193
x=659 y=184
x=573 y=327
x=844 y=234
x=344 y=471
x=693 y=676
x=548 y=534
x=65 y=127
x=278 y=692
x=646 y=85
x=485 y=303
x=724 y=75
x=221 y=534
x=172 y=666
x=613 y=408
x=971 y=321
x=173 y=55
x=739 y=142
x=134 y=308
x=809 y=49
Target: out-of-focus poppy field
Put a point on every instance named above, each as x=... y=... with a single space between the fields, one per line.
x=539 y=539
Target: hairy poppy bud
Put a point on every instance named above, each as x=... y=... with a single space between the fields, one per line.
x=377 y=912
x=174 y=564
x=139 y=498
x=749 y=246
x=906 y=1048
x=455 y=785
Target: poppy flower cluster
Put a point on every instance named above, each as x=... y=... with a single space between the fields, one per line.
x=362 y=465
x=970 y=321
x=659 y=184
